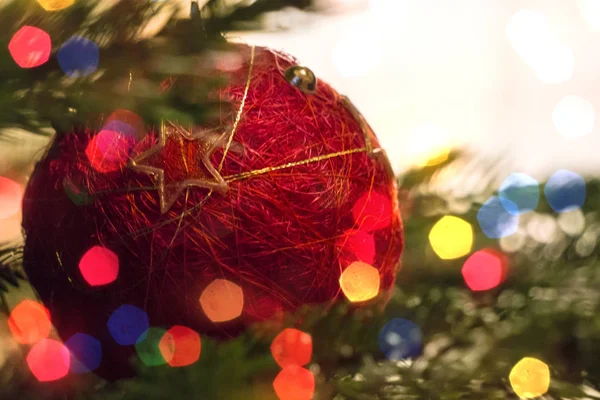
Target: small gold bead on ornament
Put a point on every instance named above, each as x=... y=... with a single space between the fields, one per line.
x=302 y=78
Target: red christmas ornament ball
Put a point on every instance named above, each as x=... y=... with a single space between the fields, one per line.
x=211 y=229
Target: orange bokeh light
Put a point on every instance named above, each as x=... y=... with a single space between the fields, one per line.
x=49 y=360
x=294 y=383
x=360 y=282
x=222 y=300
x=180 y=346
x=29 y=322
x=292 y=347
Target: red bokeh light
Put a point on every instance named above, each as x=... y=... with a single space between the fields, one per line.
x=372 y=211
x=99 y=266
x=10 y=197
x=30 y=47
x=180 y=346
x=485 y=269
x=294 y=383
x=125 y=118
x=109 y=150
x=49 y=360
x=356 y=246
x=292 y=347
x=29 y=322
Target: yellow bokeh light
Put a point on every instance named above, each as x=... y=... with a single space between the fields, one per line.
x=55 y=5
x=222 y=300
x=530 y=378
x=428 y=144
x=438 y=158
x=360 y=282
x=451 y=237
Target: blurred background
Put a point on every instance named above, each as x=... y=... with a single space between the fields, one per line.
x=513 y=84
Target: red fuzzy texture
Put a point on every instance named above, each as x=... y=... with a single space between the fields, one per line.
x=280 y=235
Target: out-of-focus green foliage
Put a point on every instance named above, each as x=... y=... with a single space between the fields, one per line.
x=547 y=308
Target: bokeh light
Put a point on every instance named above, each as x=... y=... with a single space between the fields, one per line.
x=400 y=339
x=222 y=300
x=451 y=237
x=109 y=150
x=29 y=322
x=125 y=122
x=356 y=246
x=49 y=360
x=10 y=197
x=485 y=269
x=565 y=191
x=572 y=222
x=538 y=45
x=292 y=347
x=86 y=353
x=78 y=56
x=372 y=211
x=148 y=349
x=55 y=5
x=99 y=266
x=127 y=323
x=360 y=282
x=590 y=10
x=350 y=62
x=180 y=346
x=428 y=144
x=294 y=383
x=30 y=47
x=530 y=378
x=519 y=193
x=495 y=221
x=573 y=117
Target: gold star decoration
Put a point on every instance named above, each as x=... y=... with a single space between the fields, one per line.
x=181 y=160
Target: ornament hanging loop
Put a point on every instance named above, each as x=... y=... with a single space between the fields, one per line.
x=302 y=78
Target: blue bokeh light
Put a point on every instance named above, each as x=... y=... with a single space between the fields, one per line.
x=400 y=339
x=565 y=191
x=495 y=221
x=519 y=193
x=78 y=56
x=127 y=324
x=86 y=353
x=120 y=127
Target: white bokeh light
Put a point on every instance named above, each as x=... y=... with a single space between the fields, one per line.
x=357 y=52
x=427 y=142
x=537 y=44
x=573 y=117
x=590 y=11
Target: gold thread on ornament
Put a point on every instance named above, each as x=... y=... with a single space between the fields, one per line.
x=245 y=175
x=239 y=112
x=364 y=126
